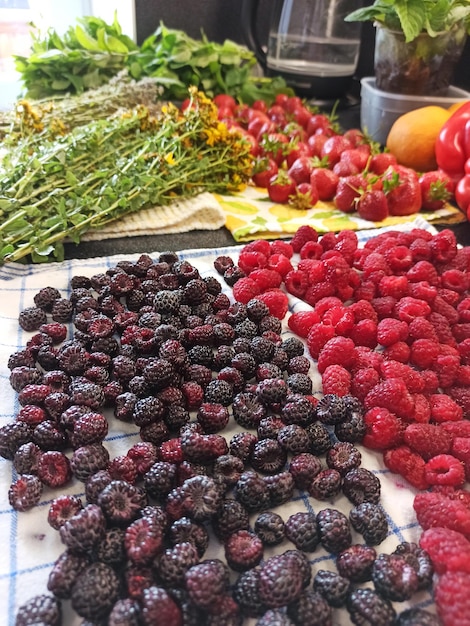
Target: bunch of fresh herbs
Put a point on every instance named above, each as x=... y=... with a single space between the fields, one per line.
x=413 y=17
x=63 y=186
x=92 y=52
x=85 y=57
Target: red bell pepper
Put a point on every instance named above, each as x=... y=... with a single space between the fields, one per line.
x=453 y=154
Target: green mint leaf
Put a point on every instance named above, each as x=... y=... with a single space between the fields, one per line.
x=412 y=15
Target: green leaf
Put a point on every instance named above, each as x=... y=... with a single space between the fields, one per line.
x=60 y=85
x=412 y=17
x=6 y=250
x=85 y=40
x=71 y=179
x=113 y=44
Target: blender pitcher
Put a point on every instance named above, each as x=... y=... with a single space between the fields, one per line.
x=309 y=44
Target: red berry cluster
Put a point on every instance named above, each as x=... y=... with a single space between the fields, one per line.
x=301 y=156
x=389 y=323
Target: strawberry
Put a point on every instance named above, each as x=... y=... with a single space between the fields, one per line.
x=403 y=191
x=325 y=181
x=348 y=192
x=436 y=189
x=373 y=206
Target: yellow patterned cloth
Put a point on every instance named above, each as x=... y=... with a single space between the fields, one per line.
x=250 y=215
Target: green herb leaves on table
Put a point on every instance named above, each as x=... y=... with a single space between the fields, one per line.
x=90 y=53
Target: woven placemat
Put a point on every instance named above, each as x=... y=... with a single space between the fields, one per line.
x=202 y=212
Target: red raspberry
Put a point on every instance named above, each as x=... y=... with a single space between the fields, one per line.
x=375 y=263
x=393 y=395
x=301 y=322
x=402 y=460
x=445 y=469
x=337 y=269
x=314 y=268
x=395 y=286
x=444 y=408
x=431 y=381
x=448 y=549
x=407 y=308
x=266 y=278
x=383 y=429
x=428 y=440
x=258 y=245
x=420 y=250
x=454 y=494
x=424 y=353
x=245 y=289
x=423 y=291
x=366 y=357
x=399 y=351
x=463 y=308
x=443 y=246
x=318 y=291
x=461 y=450
x=279 y=246
x=325 y=304
x=296 y=282
x=422 y=328
x=276 y=300
x=280 y=264
x=446 y=367
x=460 y=428
x=250 y=260
x=435 y=509
x=422 y=410
x=363 y=310
x=346 y=243
x=336 y=379
x=364 y=333
x=439 y=305
x=399 y=258
x=384 y=306
x=423 y=271
x=449 y=295
x=304 y=233
x=363 y=381
x=395 y=369
x=461 y=395
x=390 y=330
x=442 y=328
x=317 y=337
x=311 y=250
x=452 y=598
x=337 y=351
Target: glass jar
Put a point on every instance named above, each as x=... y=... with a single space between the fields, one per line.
x=424 y=66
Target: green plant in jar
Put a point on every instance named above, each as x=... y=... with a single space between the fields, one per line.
x=418 y=43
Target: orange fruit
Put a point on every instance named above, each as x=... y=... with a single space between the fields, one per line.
x=453 y=107
x=412 y=137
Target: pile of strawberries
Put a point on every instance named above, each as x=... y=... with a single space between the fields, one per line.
x=390 y=324
x=301 y=156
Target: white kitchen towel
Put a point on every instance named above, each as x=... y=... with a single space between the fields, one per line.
x=30 y=545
